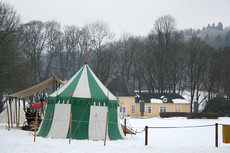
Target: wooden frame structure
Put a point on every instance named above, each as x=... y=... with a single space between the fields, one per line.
x=25 y=93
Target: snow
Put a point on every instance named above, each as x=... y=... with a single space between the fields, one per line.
x=180 y=101
x=157 y=101
x=175 y=101
x=174 y=140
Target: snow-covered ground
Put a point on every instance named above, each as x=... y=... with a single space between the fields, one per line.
x=175 y=140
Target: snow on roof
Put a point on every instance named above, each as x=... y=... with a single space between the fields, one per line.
x=180 y=101
x=175 y=101
x=154 y=100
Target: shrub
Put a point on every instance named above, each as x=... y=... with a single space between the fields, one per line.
x=202 y=115
x=172 y=114
x=218 y=105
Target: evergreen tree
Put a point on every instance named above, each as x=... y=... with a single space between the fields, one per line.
x=220 y=26
x=218 y=105
x=227 y=39
x=213 y=26
x=218 y=39
x=207 y=37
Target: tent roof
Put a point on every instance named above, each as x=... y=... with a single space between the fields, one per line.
x=84 y=84
x=37 y=88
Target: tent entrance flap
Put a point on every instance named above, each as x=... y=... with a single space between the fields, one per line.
x=97 y=122
x=60 y=124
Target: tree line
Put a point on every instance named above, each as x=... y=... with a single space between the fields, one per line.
x=162 y=61
x=215 y=35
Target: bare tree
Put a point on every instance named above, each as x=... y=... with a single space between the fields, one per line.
x=53 y=37
x=225 y=64
x=13 y=68
x=160 y=44
x=67 y=59
x=126 y=53
x=139 y=72
x=33 y=43
x=198 y=57
x=100 y=35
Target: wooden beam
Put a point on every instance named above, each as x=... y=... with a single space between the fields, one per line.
x=86 y=53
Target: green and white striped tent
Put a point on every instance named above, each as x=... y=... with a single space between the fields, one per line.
x=89 y=100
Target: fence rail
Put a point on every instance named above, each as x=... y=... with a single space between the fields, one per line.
x=198 y=126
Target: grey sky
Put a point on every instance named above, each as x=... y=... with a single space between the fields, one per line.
x=132 y=16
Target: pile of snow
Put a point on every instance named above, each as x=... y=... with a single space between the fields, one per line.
x=174 y=140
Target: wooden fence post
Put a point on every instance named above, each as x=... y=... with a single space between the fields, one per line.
x=146 y=135
x=216 y=134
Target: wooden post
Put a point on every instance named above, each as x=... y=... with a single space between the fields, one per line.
x=86 y=53
x=216 y=134
x=70 y=126
x=24 y=104
x=15 y=112
x=18 y=111
x=36 y=122
x=146 y=135
x=7 y=110
x=125 y=125
x=106 y=127
x=11 y=118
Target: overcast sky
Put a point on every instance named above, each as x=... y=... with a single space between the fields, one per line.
x=132 y=16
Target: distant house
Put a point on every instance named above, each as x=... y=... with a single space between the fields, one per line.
x=154 y=103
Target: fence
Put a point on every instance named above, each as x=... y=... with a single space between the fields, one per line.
x=200 y=126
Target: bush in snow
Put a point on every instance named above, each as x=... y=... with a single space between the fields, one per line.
x=202 y=115
x=218 y=105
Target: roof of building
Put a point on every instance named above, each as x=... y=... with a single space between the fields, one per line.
x=160 y=98
x=121 y=86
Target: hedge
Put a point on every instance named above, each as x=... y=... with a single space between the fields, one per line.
x=189 y=115
x=172 y=114
x=202 y=115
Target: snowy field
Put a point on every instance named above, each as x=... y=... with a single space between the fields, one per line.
x=175 y=140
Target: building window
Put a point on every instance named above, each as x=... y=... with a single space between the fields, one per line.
x=178 y=109
x=123 y=111
x=163 y=109
x=133 y=109
x=148 y=110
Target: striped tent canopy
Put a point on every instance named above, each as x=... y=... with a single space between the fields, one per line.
x=89 y=101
